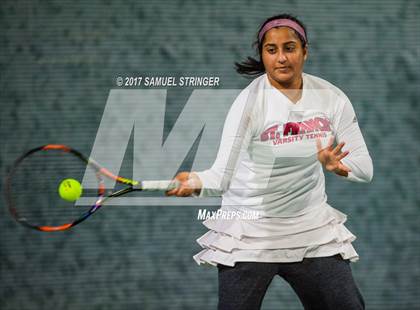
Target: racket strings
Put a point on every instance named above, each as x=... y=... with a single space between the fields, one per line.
x=34 y=184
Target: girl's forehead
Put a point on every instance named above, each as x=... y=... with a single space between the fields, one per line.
x=280 y=34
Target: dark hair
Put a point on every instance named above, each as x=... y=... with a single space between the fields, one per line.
x=255 y=67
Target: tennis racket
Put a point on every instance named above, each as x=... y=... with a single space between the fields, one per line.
x=32 y=187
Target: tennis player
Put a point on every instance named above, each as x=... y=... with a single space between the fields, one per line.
x=279 y=134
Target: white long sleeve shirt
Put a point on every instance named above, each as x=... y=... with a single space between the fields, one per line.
x=267 y=163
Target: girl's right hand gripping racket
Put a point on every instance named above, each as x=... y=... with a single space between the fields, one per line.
x=32 y=187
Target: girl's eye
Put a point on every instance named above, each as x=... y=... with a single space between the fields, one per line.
x=290 y=48
x=271 y=50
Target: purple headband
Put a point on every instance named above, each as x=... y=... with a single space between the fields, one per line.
x=284 y=22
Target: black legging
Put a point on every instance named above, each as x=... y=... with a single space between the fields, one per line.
x=321 y=283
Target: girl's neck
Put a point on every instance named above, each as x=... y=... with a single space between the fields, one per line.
x=293 y=90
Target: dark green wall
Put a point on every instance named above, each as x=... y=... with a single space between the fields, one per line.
x=58 y=62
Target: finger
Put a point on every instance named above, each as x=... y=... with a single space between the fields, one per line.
x=318 y=145
x=174 y=191
x=338 y=148
x=184 y=189
x=344 y=167
x=171 y=192
x=331 y=143
x=184 y=192
x=342 y=155
x=327 y=147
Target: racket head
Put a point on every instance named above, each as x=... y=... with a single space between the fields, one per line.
x=31 y=188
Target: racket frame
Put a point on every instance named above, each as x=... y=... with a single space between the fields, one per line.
x=99 y=171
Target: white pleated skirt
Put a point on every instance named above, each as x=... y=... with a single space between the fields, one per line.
x=320 y=232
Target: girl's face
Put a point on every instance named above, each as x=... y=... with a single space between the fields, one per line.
x=283 y=57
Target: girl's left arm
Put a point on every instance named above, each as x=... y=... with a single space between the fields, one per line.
x=347 y=130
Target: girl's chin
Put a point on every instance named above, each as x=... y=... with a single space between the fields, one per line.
x=283 y=78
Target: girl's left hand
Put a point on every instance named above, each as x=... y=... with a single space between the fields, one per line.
x=331 y=157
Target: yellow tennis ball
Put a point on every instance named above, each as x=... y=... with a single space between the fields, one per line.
x=70 y=190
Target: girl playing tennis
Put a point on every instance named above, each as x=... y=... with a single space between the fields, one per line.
x=278 y=136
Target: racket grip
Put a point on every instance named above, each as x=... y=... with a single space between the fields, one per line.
x=163 y=185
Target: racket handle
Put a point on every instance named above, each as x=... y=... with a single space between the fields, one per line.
x=163 y=185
